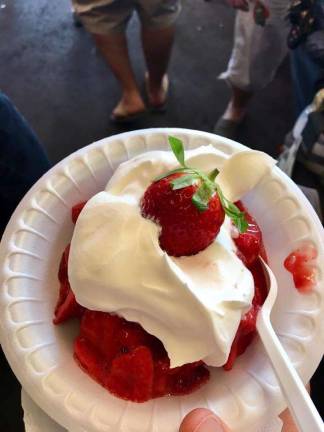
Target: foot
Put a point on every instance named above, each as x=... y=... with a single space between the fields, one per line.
x=130 y=105
x=157 y=94
x=235 y=113
x=226 y=128
x=227 y=125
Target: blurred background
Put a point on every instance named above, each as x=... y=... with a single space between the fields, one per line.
x=54 y=74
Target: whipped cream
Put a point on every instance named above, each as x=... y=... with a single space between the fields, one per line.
x=192 y=304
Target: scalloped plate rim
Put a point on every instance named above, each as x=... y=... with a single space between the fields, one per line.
x=12 y=226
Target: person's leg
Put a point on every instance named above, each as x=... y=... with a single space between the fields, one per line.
x=257 y=53
x=158 y=19
x=157 y=46
x=237 y=74
x=22 y=159
x=237 y=106
x=115 y=51
x=106 y=20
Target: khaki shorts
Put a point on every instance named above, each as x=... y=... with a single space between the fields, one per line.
x=106 y=16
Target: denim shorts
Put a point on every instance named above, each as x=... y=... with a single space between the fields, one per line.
x=107 y=16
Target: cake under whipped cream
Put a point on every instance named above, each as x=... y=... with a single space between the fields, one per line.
x=192 y=304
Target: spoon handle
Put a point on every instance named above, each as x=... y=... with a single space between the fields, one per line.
x=300 y=404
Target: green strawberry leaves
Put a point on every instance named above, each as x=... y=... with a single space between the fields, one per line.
x=175 y=171
x=213 y=174
x=201 y=198
x=184 y=181
x=177 y=148
x=231 y=210
x=207 y=186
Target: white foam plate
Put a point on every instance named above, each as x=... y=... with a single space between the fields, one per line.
x=41 y=354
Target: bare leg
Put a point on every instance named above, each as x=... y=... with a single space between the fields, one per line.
x=115 y=51
x=237 y=106
x=157 y=46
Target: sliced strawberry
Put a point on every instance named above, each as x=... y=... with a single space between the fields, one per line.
x=63 y=293
x=76 y=210
x=161 y=377
x=157 y=349
x=243 y=337
x=247 y=327
x=300 y=264
x=63 y=269
x=250 y=243
x=300 y=257
x=240 y=343
x=185 y=230
x=250 y=246
x=67 y=307
x=102 y=330
x=248 y=323
x=260 y=285
x=305 y=278
x=90 y=359
x=131 y=363
x=131 y=375
x=131 y=336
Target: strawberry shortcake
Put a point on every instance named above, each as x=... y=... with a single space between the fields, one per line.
x=163 y=271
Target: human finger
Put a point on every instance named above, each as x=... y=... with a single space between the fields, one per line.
x=202 y=420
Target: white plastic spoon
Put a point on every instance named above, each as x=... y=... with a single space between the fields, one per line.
x=299 y=402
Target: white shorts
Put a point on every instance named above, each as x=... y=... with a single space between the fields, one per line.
x=258 y=51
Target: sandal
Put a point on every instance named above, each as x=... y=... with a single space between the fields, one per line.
x=125 y=117
x=165 y=88
x=121 y=119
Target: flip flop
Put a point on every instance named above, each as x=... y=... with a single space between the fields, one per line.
x=165 y=87
x=126 y=118
x=226 y=128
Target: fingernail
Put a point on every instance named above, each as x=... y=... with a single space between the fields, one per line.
x=209 y=424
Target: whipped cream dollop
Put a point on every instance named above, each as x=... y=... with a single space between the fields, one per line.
x=192 y=304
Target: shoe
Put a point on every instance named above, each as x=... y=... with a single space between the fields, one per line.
x=226 y=128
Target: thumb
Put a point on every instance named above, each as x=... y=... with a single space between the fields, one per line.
x=202 y=420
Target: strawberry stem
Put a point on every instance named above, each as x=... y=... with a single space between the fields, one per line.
x=207 y=188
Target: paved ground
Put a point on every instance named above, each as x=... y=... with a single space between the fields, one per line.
x=52 y=72
x=55 y=76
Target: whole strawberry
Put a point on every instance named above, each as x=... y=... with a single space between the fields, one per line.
x=189 y=207
x=185 y=230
